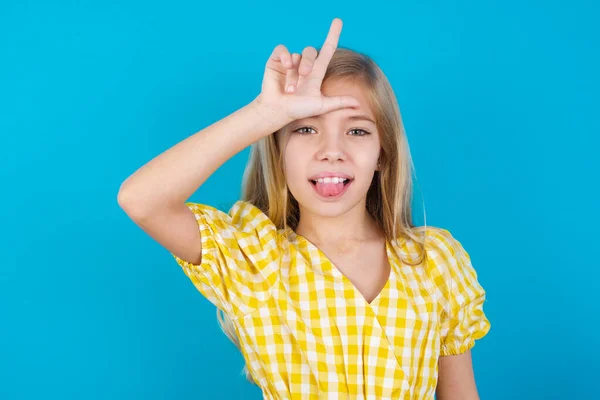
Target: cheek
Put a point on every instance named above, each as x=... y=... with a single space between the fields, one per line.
x=367 y=155
x=294 y=166
x=295 y=154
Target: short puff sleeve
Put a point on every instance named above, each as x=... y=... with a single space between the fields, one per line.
x=240 y=257
x=460 y=295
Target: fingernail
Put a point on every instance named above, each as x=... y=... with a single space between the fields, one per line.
x=290 y=88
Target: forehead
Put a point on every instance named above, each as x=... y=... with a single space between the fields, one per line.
x=341 y=87
x=348 y=87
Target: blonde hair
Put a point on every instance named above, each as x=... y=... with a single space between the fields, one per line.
x=389 y=196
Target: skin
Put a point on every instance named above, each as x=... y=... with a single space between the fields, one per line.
x=333 y=142
x=456 y=380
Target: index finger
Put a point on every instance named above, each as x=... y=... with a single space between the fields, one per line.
x=326 y=52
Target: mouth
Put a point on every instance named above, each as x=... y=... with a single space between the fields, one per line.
x=334 y=180
x=331 y=188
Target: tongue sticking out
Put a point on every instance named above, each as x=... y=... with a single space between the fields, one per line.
x=329 y=189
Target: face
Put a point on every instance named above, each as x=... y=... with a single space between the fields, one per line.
x=330 y=159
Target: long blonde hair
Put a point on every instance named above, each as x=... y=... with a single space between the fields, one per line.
x=389 y=196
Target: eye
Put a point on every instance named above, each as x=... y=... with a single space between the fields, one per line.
x=305 y=130
x=359 y=132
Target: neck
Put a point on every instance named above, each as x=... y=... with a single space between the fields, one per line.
x=354 y=226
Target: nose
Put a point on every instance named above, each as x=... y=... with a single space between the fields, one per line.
x=331 y=148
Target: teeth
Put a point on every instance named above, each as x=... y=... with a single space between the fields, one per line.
x=334 y=179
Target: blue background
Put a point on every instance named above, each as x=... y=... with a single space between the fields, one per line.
x=500 y=104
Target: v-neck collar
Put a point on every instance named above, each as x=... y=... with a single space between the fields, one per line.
x=394 y=380
x=328 y=268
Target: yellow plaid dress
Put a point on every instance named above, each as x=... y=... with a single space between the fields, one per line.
x=307 y=333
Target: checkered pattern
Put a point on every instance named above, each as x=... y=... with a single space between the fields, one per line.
x=307 y=333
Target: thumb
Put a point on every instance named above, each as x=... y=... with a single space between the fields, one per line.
x=338 y=102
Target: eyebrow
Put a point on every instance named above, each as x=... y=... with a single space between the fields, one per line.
x=360 y=118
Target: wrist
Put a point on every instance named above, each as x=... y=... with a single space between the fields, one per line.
x=267 y=112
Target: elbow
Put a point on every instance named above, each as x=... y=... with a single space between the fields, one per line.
x=123 y=196
x=128 y=203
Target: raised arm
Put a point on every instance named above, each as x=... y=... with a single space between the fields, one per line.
x=154 y=196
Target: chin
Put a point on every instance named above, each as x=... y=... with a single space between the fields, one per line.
x=327 y=210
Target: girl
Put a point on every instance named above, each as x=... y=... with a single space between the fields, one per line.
x=325 y=285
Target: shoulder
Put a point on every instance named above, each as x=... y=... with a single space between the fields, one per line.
x=442 y=243
x=249 y=216
x=450 y=264
x=242 y=216
x=444 y=259
x=437 y=242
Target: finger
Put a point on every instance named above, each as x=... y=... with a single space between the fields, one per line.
x=291 y=77
x=309 y=54
x=338 y=102
x=326 y=52
x=280 y=55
